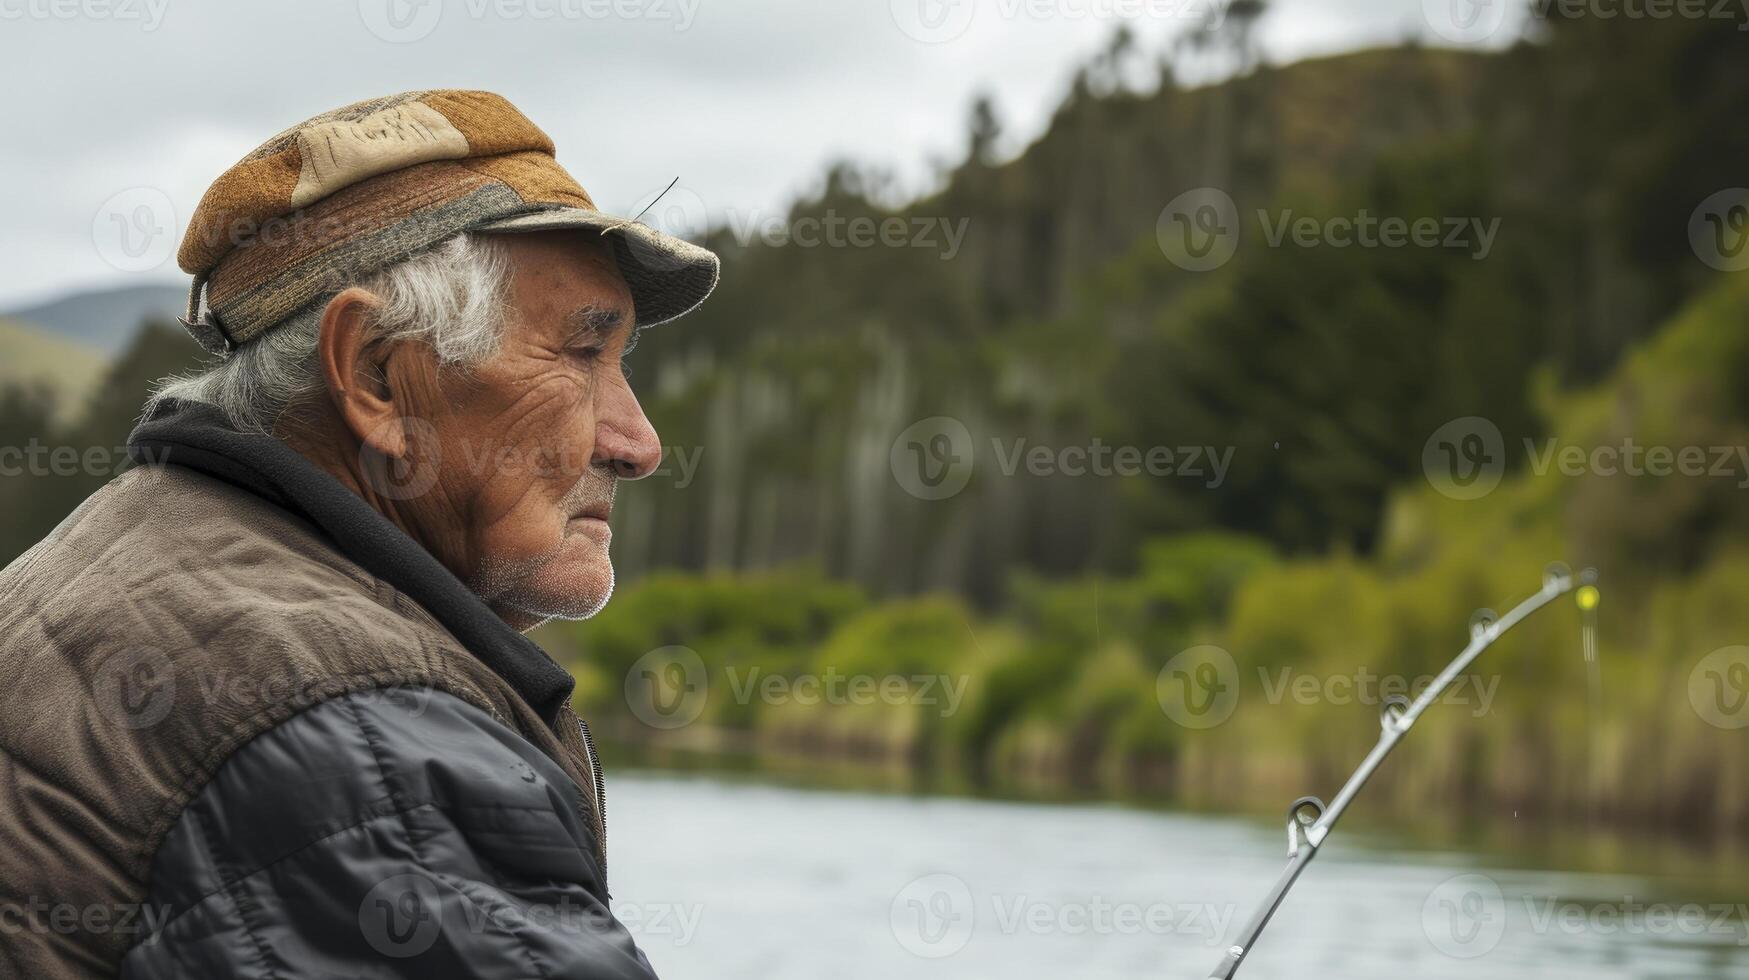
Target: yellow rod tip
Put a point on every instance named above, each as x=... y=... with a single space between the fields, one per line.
x=1588 y=598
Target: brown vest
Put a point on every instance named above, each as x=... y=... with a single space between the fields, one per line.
x=166 y=622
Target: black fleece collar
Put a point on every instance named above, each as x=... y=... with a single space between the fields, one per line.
x=196 y=435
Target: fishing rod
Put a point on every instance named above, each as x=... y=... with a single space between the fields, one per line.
x=1309 y=820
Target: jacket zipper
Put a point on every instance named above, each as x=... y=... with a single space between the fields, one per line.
x=600 y=800
x=600 y=793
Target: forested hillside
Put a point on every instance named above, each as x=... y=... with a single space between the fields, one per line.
x=1061 y=321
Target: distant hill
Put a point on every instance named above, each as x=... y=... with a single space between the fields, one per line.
x=104 y=319
x=29 y=353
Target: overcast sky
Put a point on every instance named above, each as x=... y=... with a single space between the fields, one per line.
x=119 y=112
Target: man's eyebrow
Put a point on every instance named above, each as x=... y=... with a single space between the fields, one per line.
x=593 y=321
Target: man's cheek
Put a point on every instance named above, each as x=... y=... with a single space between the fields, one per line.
x=557 y=451
x=513 y=502
x=540 y=406
x=562 y=464
x=525 y=535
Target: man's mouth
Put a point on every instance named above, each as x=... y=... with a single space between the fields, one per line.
x=591 y=522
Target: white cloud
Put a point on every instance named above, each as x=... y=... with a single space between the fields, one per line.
x=746 y=104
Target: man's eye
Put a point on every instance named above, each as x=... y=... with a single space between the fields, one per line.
x=588 y=352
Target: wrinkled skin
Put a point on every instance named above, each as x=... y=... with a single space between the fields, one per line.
x=505 y=472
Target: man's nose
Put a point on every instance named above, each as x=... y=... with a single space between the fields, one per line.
x=625 y=441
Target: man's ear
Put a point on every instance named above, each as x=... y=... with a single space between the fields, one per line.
x=354 y=367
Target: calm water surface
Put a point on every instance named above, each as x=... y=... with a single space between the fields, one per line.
x=732 y=879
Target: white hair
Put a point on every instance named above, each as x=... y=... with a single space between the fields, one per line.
x=452 y=298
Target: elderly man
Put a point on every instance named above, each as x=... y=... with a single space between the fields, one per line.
x=270 y=709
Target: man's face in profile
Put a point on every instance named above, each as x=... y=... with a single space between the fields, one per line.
x=528 y=446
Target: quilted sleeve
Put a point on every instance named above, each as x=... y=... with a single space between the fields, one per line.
x=383 y=834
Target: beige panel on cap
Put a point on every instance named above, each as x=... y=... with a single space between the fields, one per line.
x=342 y=153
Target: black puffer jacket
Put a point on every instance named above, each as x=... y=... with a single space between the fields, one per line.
x=399 y=834
x=264 y=734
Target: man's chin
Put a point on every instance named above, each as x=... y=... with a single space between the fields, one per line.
x=576 y=594
x=570 y=585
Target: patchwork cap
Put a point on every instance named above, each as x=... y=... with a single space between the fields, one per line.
x=352 y=191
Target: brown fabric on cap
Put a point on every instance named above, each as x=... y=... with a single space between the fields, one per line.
x=360 y=209
x=535 y=176
x=354 y=190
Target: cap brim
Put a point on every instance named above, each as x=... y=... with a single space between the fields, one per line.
x=668 y=276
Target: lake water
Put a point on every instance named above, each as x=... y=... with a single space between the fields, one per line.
x=735 y=879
